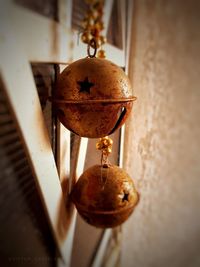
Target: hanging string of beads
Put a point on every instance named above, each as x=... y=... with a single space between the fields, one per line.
x=105 y=146
x=92 y=27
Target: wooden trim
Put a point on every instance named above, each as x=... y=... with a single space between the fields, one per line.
x=128 y=35
x=71 y=167
x=42 y=39
x=26 y=107
x=102 y=248
x=108 y=5
x=63 y=147
x=23 y=98
x=123 y=23
x=64 y=13
x=130 y=4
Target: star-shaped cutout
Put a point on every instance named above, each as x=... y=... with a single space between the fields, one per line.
x=125 y=197
x=85 y=85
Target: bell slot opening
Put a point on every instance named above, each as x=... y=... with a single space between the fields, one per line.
x=125 y=197
x=121 y=115
x=60 y=112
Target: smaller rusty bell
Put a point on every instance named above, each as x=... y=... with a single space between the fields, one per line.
x=105 y=196
x=93 y=97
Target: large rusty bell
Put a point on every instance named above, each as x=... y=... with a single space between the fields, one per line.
x=93 y=97
x=105 y=196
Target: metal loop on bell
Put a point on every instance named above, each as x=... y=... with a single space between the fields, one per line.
x=92 y=44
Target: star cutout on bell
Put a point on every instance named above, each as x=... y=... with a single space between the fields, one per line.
x=125 y=197
x=85 y=85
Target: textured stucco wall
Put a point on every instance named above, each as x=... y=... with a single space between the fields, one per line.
x=163 y=136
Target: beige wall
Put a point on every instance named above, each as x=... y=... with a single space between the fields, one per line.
x=163 y=137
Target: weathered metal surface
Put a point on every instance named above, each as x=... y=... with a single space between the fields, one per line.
x=105 y=196
x=93 y=97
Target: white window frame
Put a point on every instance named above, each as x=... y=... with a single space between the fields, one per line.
x=29 y=37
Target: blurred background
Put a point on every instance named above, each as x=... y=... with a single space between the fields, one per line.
x=157 y=43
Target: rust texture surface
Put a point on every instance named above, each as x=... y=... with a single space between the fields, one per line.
x=105 y=196
x=93 y=97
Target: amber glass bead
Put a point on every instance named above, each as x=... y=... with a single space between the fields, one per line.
x=101 y=53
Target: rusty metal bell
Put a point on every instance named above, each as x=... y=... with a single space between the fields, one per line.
x=93 y=97
x=105 y=196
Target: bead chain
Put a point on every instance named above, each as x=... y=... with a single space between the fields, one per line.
x=92 y=25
